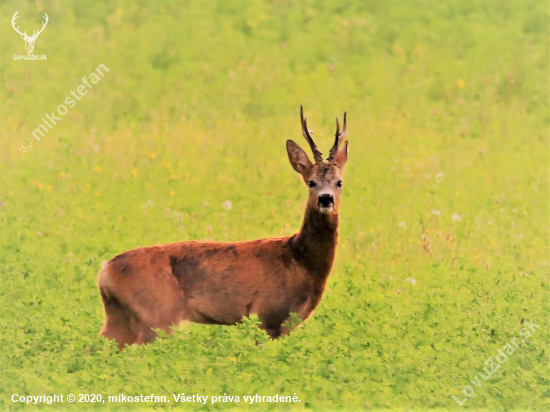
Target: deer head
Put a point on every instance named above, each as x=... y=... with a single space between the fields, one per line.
x=323 y=178
x=29 y=40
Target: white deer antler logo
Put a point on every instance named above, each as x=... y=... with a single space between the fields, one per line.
x=29 y=40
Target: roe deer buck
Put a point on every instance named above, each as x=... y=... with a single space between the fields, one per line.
x=219 y=283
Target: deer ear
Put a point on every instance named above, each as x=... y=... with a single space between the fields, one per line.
x=298 y=158
x=341 y=157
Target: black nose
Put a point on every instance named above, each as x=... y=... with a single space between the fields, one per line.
x=326 y=200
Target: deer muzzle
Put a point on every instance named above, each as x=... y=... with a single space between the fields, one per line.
x=326 y=203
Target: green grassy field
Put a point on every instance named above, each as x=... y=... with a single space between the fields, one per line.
x=443 y=250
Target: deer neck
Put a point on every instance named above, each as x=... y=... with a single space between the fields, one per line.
x=315 y=245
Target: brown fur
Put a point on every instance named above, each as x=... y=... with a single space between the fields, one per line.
x=219 y=283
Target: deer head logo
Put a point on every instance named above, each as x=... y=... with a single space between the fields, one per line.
x=29 y=40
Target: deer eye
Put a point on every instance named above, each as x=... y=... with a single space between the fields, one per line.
x=339 y=183
x=311 y=183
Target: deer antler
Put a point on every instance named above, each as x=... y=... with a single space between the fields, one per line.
x=338 y=138
x=34 y=34
x=317 y=155
x=15 y=17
